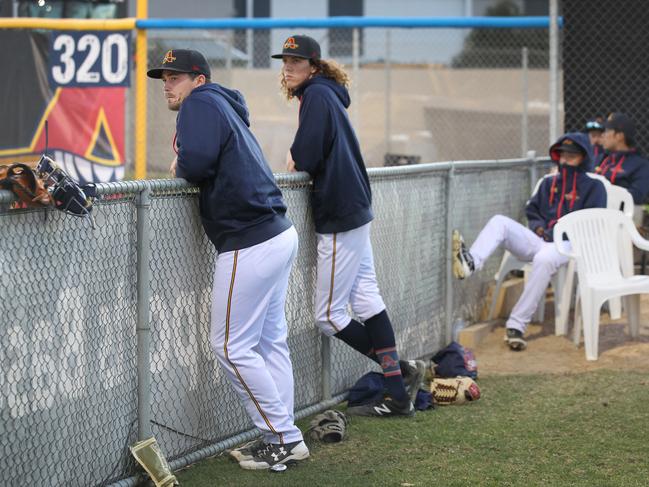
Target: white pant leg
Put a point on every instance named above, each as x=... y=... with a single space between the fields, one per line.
x=245 y=288
x=544 y=264
x=339 y=260
x=366 y=300
x=518 y=239
x=273 y=345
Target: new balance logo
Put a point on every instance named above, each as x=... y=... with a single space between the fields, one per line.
x=382 y=409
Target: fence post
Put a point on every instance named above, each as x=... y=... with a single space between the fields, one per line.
x=356 y=103
x=249 y=34
x=554 y=70
x=531 y=157
x=326 y=366
x=143 y=315
x=524 y=119
x=388 y=89
x=449 y=254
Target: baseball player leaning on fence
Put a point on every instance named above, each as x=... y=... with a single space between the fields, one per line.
x=243 y=214
x=569 y=189
x=326 y=147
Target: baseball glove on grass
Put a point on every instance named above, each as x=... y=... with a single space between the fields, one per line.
x=458 y=390
x=328 y=426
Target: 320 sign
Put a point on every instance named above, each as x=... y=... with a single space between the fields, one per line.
x=90 y=58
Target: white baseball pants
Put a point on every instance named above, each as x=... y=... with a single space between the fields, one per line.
x=248 y=332
x=527 y=246
x=345 y=276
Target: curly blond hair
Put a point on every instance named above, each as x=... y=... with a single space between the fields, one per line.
x=324 y=67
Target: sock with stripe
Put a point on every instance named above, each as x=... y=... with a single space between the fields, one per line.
x=382 y=337
x=355 y=335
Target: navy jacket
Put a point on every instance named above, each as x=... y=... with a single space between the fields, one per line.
x=570 y=189
x=326 y=147
x=240 y=204
x=627 y=169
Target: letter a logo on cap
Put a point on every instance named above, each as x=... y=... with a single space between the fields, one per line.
x=290 y=44
x=169 y=57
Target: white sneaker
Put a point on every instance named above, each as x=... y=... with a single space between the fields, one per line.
x=272 y=454
x=247 y=451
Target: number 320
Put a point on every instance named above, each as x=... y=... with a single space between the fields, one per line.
x=90 y=44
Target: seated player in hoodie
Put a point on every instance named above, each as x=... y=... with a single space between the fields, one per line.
x=622 y=163
x=595 y=129
x=569 y=189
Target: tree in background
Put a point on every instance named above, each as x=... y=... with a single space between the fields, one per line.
x=501 y=48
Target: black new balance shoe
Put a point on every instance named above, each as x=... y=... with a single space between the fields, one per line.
x=463 y=265
x=387 y=406
x=247 y=451
x=273 y=454
x=515 y=340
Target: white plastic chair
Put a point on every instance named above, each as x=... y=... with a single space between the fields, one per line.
x=594 y=236
x=620 y=199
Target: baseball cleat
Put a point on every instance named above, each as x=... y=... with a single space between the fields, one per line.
x=463 y=265
x=387 y=406
x=274 y=454
x=413 y=372
x=247 y=451
x=515 y=340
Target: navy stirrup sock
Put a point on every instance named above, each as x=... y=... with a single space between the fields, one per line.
x=382 y=336
x=355 y=335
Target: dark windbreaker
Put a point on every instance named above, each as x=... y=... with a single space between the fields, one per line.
x=627 y=169
x=569 y=189
x=326 y=147
x=240 y=204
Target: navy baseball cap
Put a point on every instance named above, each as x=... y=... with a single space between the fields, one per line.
x=300 y=46
x=182 y=61
x=619 y=122
x=568 y=145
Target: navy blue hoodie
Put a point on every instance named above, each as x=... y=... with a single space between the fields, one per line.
x=627 y=169
x=240 y=203
x=569 y=189
x=326 y=147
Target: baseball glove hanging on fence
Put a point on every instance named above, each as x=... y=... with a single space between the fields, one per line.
x=25 y=184
x=328 y=426
x=66 y=194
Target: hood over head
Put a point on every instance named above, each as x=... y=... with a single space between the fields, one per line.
x=573 y=142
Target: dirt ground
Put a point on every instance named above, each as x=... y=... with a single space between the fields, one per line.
x=557 y=354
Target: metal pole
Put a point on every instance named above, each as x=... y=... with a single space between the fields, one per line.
x=449 y=254
x=531 y=157
x=554 y=71
x=141 y=93
x=326 y=366
x=356 y=72
x=143 y=315
x=249 y=14
x=524 y=118
x=388 y=101
x=228 y=55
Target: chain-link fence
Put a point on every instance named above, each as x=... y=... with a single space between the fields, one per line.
x=418 y=94
x=92 y=316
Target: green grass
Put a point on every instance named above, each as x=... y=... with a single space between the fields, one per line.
x=589 y=429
